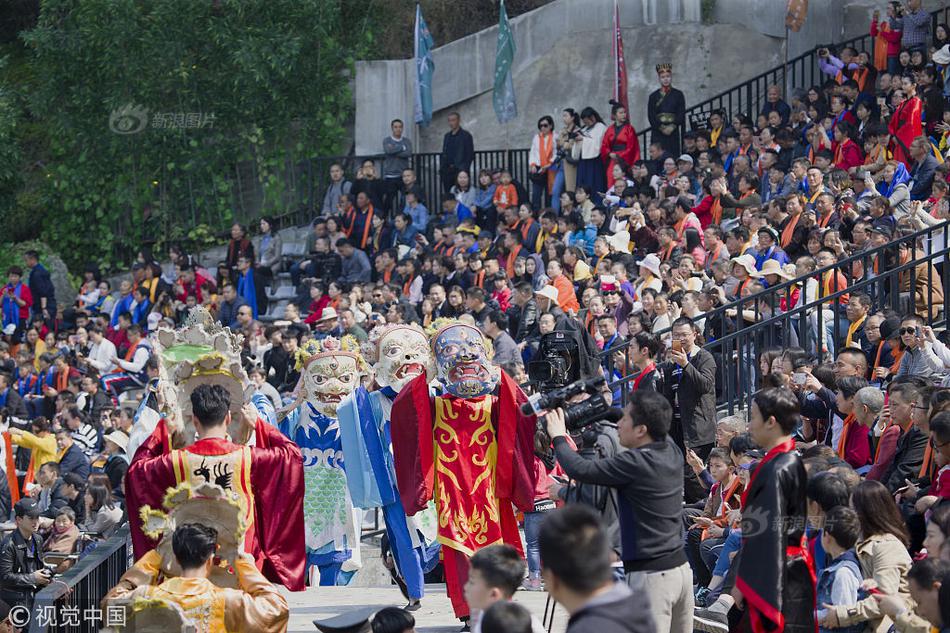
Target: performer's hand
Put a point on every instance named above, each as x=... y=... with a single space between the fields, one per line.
x=249 y=415
x=555 y=423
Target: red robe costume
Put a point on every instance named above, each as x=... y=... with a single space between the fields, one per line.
x=475 y=457
x=624 y=143
x=263 y=476
x=904 y=127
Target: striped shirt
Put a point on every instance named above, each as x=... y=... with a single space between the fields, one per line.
x=87 y=438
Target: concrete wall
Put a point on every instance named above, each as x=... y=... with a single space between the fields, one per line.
x=564 y=59
x=464 y=68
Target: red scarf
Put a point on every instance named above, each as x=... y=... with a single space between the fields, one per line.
x=646 y=370
x=845 y=429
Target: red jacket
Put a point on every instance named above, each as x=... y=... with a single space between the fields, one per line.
x=893 y=38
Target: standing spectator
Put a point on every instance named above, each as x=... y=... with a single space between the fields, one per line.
x=666 y=110
x=270 y=252
x=17 y=302
x=775 y=103
x=39 y=440
x=916 y=27
x=250 y=287
x=22 y=573
x=239 y=246
x=620 y=145
x=41 y=288
x=586 y=151
x=887 y=42
x=338 y=186
x=689 y=384
x=541 y=163
x=905 y=124
x=458 y=152
x=397 y=150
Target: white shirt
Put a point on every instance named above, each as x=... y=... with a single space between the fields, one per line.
x=100 y=356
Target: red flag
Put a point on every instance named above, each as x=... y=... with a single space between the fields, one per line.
x=620 y=64
x=795 y=13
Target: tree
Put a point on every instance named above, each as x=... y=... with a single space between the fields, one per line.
x=148 y=108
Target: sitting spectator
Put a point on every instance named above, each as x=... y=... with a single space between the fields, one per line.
x=102 y=513
x=84 y=433
x=72 y=458
x=63 y=537
x=131 y=374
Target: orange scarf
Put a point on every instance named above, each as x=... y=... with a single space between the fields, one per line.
x=510 y=262
x=843 y=440
x=789 y=231
x=817 y=193
x=62 y=380
x=546 y=144
x=928 y=458
x=406 y=286
x=716 y=211
x=823 y=222
x=669 y=251
x=130 y=354
x=898 y=357
x=861 y=76
x=525 y=227
x=877 y=356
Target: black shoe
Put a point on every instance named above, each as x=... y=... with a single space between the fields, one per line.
x=465 y=628
x=415 y=605
x=710 y=621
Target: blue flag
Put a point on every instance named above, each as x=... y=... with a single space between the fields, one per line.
x=424 y=67
x=503 y=93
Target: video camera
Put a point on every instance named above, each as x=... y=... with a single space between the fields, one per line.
x=558 y=361
x=579 y=414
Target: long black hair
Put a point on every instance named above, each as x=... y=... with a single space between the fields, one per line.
x=877 y=511
x=575 y=117
x=590 y=113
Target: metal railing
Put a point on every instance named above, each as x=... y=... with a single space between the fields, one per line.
x=71 y=603
x=755 y=323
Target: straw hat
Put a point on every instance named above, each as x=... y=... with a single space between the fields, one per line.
x=772 y=267
x=581 y=271
x=119 y=438
x=620 y=241
x=328 y=314
x=747 y=262
x=652 y=263
x=548 y=291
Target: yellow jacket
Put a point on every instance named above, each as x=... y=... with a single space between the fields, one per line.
x=44 y=448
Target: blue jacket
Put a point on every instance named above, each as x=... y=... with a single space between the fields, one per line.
x=74 y=461
x=847 y=563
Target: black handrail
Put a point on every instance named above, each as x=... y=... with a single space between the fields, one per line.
x=883 y=289
x=71 y=603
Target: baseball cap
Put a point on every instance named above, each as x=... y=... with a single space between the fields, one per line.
x=27 y=507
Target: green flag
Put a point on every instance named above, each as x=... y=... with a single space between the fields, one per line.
x=503 y=93
x=424 y=68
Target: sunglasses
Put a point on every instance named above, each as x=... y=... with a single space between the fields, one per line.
x=607 y=293
x=907 y=330
x=544 y=125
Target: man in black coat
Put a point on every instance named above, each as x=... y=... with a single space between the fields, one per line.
x=458 y=152
x=666 y=110
x=22 y=573
x=11 y=400
x=42 y=289
x=689 y=383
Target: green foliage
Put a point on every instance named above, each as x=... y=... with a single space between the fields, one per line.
x=141 y=112
x=707 y=11
x=11 y=254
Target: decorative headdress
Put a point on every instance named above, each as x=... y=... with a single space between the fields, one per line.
x=664 y=68
x=207 y=504
x=201 y=351
x=329 y=346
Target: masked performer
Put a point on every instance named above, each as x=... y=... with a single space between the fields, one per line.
x=329 y=370
x=468 y=447
x=203 y=393
x=399 y=354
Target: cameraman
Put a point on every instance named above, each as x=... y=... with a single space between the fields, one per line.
x=648 y=476
x=22 y=573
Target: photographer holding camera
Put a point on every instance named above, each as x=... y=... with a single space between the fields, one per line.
x=22 y=572
x=648 y=477
x=566 y=378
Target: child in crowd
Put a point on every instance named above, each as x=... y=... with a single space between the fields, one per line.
x=507 y=617
x=840 y=580
x=505 y=194
x=393 y=620
x=495 y=574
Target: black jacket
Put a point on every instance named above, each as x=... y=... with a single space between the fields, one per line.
x=650 y=503
x=18 y=560
x=527 y=320
x=41 y=285
x=908 y=457
x=696 y=396
x=619 y=610
x=15 y=404
x=58 y=501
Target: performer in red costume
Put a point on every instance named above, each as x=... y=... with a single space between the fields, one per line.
x=906 y=123
x=468 y=447
x=267 y=477
x=620 y=142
